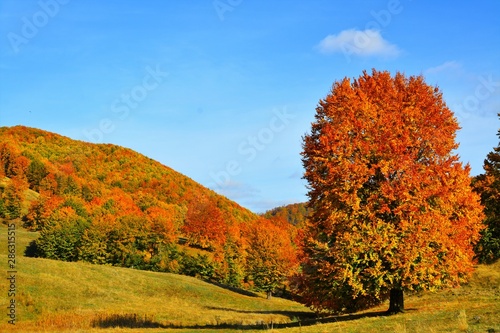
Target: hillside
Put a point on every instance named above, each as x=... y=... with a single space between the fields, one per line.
x=295 y=214
x=60 y=295
x=90 y=170
x=56 y=296
x=106 y=204
x=29 y=195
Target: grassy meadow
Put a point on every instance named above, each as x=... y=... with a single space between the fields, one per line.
x=55 y=296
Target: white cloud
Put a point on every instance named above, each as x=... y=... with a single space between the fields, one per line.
x=364 y=43
x=448 y=65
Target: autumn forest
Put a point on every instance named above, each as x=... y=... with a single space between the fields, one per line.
x=391 y=208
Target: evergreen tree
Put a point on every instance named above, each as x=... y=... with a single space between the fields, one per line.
x=488 y=186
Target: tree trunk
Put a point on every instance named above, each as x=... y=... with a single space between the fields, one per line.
x=269 y=294
x=396 y=302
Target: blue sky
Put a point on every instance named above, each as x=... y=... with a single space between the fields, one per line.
x=222 y=91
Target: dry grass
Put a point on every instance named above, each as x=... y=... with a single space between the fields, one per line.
x=62 y=296
x=56 y=296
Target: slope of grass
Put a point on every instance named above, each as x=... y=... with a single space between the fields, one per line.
x=60 y=295
x=54 y=296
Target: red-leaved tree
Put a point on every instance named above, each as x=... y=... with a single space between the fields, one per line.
x=392 y=206
x=204 y=225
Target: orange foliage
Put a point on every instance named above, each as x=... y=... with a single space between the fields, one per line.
x=392 y=206
x=8 y=155
x=205 y=225
x=122 y=204
x=20 y=166
x=272 y=259
x=41 y=209
x=487 y=185
x=88 y=170
x=109 y=204
x=295 y=214
x=49 y=184
x=162 y=223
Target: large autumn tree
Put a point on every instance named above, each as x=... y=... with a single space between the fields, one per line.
x=392 y=206
x=488 y=186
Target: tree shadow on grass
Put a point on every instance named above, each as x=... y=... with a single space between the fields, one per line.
x=303 y=318
x=299 y=319
x=290 y=314
x=132 y=320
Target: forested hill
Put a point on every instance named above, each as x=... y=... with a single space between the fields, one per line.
x=100 y=172
x=104 y=176
x=295 y=214
x=106 y=204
